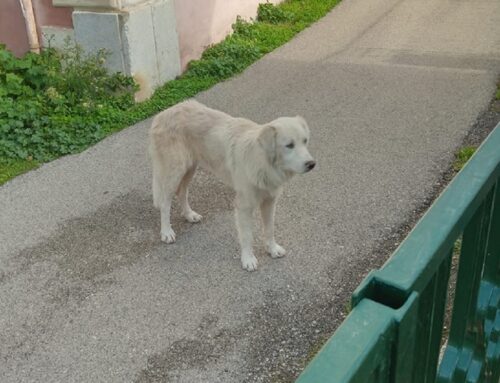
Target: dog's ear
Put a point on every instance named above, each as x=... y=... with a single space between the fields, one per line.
x=303 y=122
x=267 y=140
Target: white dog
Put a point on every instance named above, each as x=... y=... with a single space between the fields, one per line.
x=255 y=160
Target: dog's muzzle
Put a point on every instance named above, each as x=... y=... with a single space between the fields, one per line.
x=310 y=165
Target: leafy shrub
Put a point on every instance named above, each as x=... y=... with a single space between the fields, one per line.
x=57 y=102
x=243 y=28
x=223 y=60
x=269 y=13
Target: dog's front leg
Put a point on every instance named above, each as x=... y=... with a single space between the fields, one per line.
x=167 y=233
x=244 y=224
x=267 y=209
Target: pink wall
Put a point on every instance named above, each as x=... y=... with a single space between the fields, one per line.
x=204 y=22
x=46 y=14
x=12 y=28
x=199 y=22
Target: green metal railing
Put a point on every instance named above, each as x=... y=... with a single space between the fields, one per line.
x=394 y=330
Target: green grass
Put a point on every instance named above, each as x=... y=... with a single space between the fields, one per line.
x=12 y=168
x=249 y=42
x=463 y=156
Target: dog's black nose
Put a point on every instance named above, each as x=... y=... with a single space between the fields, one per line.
x=310 y=165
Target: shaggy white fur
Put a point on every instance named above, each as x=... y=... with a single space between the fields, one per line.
x=256 y=160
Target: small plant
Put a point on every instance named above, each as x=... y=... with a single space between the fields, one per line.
x=463 y=156
x=269 y=13
x=243 y=28
x=223 y=60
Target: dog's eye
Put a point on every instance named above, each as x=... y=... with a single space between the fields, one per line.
x=290 y=145
x=305 y=141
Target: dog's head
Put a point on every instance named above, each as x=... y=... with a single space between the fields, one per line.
x=285 y=141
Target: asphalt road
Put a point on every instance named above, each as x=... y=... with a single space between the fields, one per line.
x=88 y=293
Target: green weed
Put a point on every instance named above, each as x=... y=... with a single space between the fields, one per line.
x=463 y=156
x=12 y=168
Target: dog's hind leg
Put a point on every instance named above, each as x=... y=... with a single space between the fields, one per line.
x=165 y=183
x=182 y=194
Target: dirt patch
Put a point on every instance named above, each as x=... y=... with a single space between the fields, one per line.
x=282 y=337
x=86 y=249
x=205 y=347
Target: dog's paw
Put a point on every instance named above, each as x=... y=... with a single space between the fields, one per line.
x=275 y=250
x=249 y=262
x=168 y=236
x=192 y=216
